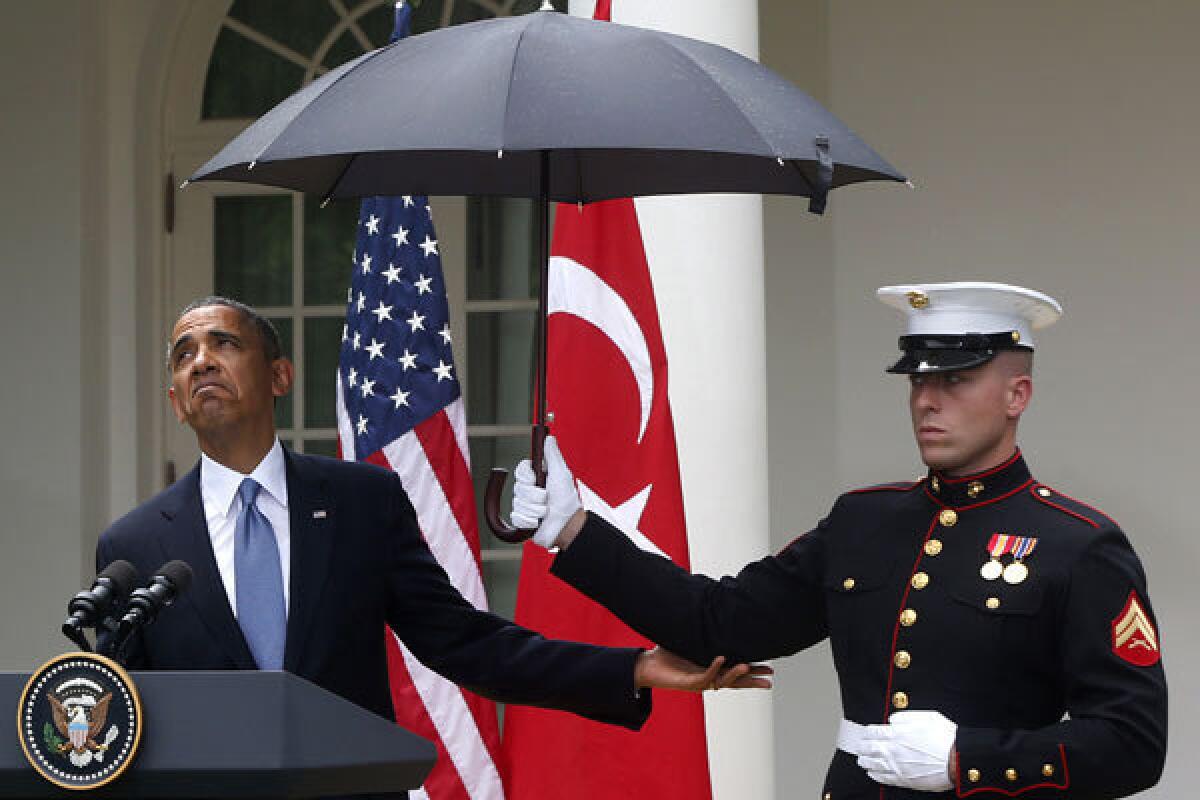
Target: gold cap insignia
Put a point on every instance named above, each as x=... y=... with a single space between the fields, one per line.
x=918 y=299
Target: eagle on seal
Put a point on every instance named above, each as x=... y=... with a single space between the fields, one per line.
x=79 y=727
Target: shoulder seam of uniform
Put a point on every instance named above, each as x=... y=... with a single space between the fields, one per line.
x=899 y=486
x=1033 y=490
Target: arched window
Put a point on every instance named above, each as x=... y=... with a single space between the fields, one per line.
x=282 y=253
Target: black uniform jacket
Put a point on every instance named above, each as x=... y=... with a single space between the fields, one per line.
x=357 y=567
x=1055 y=681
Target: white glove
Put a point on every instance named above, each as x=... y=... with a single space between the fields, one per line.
x=552 y=506
x=912 y=751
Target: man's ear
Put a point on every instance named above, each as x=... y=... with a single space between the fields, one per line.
x=283 y=373
x=1020 y=392
x=176 y=406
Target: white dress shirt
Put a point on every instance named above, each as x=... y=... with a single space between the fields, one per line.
x=222 y=506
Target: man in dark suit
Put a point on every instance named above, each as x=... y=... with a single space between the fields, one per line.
x=300 y=561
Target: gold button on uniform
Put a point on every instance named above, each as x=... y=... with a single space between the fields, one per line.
x=948 y=517
x=1010 y=774
x=908 y=617
x=1048 y=770
x=900 y=700
x=973 y=775
x=933 y=547
x=993 y=603
x=974 y=489
x=902 y=659
x=848 y=584
x=827 y=796
x=920 y=580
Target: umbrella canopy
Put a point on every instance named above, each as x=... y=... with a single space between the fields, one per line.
x=549 y=105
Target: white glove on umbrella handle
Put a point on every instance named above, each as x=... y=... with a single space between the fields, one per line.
x=546 y=509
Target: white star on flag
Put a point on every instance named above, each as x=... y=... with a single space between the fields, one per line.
x=443 y=370
x=626 y=517
x=352 y=378
x=416 y=322
x=357 y=340
x=445 y=333
x=429 y=246
x=373 y=224
x=362 y=302
x=366 y=263
x=408 y=360
x=401 y=398
x=422 y=285
x=401 y=236
x=368 y=388
x=392 y=273
x=375 y=349
x=362 y=424
x=408 y=201
x=383 y=312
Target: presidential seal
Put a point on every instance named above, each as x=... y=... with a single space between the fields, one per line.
x=80 y=720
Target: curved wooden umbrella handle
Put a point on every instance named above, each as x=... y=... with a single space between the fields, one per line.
x=495 y=489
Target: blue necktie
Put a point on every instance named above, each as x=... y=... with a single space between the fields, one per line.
x=260 y=608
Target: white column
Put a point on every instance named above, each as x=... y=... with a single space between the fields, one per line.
x=706 y=260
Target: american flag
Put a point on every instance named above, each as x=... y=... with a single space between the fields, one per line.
x=399 y=405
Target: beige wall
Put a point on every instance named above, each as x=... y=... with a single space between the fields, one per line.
x=1052 y=146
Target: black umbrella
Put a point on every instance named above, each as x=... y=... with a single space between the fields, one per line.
x=553 y=107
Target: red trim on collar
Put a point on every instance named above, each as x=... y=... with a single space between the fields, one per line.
x=983 y=474
x=995 y=499
x=1062 y=751
x=887 y=696
x=1067 y=511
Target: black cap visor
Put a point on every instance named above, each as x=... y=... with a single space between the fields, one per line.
x=924 y=361
x=949 y=352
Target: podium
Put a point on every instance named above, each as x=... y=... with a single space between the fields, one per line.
x=239 y=734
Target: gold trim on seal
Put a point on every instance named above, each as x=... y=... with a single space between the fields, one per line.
x=917 y=300
x=137 y=706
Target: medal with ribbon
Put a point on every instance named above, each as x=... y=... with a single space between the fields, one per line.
x=1000 y=544
x=1016 y=572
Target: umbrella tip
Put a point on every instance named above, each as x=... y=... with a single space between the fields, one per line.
x=252 y=163
x=910 y=184
x=499 y=154
x=546 y=6
x=185 y=183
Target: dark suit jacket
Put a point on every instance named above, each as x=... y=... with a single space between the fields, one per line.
x=357 y=568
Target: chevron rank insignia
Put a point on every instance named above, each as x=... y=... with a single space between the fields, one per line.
x=1133 y=636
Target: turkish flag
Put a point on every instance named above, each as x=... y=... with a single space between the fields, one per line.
x=607 y=389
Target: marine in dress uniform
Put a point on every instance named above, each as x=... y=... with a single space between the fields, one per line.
x=992 y=636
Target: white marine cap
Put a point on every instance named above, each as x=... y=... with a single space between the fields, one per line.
x=961 y=325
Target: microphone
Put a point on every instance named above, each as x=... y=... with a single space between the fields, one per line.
x=88 y=608
x=169 y=582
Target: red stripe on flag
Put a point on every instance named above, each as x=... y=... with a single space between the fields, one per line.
x=441 y=450
x=443 y=781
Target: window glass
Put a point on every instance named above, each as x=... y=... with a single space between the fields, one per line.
x=299 y=26
x=245 y=79
x=502 y=248
x=329 y=234
x=321 y=447
x=322 y=343
x=252 y=248
x=500 y=367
